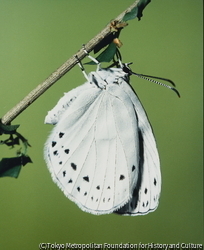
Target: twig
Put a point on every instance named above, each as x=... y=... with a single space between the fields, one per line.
x=62 y=70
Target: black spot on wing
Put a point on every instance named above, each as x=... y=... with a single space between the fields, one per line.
x=70 y=181
x=122 y=177
x=78 y=188
x=155 y=182
x=156 y=197
x=55 y=152
x=64 y=173
x=98 y=187
x=86 y=178
x=61 y=135
x=74 y=166
x=54 y=143
x=145 y=205
x=145 y=191
x=133 y=168
x=66 y=151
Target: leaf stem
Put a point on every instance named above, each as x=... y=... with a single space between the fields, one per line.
x=61 y=71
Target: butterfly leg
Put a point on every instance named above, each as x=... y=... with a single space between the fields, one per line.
x=90 y=57
x=82 y=68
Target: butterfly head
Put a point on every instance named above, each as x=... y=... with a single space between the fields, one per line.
x=125 y=67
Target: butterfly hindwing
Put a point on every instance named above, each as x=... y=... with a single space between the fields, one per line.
x=147 y=191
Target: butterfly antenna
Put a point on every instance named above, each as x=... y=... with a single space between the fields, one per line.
x=160 y=78
x=157 y=82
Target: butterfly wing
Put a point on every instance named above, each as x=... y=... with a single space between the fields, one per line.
x=64 y=103
x=102 y=152
x=93 y=151
x=146 y=192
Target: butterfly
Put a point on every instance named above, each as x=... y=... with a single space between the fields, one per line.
x=102 y=152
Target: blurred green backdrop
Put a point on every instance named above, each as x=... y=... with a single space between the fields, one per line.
x=36 y=37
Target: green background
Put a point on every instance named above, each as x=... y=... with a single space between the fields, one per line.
x=36 y=38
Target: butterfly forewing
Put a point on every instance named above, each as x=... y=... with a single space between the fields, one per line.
x=102 y=152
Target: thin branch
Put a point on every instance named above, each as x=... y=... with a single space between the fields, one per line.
x=61 y=71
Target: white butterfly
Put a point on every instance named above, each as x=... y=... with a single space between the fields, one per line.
x=102 y=152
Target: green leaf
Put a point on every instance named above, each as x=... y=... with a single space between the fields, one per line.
x=137 y=11
x=24 y=141
x=109 y=39
x=106 y=41
x=107 y=55
x=12 y=166
x=8 y=129
x=11 y=141
x=8 y=168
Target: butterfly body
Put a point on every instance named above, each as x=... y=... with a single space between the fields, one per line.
x=102 y=152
